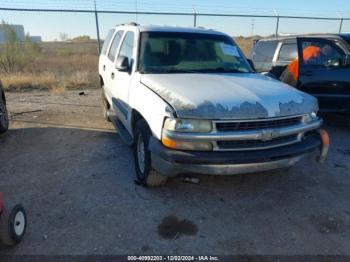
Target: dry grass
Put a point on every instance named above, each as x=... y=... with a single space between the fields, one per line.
x=58 y=67
x=62 y=66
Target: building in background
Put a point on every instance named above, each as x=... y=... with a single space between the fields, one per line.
x=20 y=33
x=36 y=38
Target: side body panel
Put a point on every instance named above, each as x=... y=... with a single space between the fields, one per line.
x=150 y=105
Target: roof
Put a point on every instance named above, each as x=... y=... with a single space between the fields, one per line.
x=292 y=37
x=166 y=28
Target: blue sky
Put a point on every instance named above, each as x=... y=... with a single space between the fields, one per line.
x=49 y=25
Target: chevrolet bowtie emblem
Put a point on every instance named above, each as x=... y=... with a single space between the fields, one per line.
x=267 y=134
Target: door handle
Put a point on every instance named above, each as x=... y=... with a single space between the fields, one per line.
x=104 y=67
x=112 y=75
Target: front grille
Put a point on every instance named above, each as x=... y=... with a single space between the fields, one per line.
x=251 y=125
x=256 y=144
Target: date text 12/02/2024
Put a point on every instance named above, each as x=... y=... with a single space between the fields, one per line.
x=173 y=258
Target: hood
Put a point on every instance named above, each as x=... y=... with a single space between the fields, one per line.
x=229 y=96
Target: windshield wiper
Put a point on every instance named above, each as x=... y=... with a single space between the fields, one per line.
x=221 y=70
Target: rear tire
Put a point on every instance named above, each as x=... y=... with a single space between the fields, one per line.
x=145 y=174
x=105 y=106
x=4 y=119
x=13 y=224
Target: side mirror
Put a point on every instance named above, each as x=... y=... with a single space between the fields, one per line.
x=122 y=64
x=251 y=64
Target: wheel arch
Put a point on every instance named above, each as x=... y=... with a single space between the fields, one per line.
x=101 y=81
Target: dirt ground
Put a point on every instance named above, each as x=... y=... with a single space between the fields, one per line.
x=75 y=177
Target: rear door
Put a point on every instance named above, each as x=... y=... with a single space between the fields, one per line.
x=109 y=66
x=325 y=76
x=103 y=55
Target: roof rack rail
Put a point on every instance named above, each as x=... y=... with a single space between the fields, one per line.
x=129 y=23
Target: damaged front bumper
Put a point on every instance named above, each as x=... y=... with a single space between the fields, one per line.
x=172 y=162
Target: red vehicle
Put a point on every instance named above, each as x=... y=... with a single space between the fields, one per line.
x=4 y=120
x=13 y=223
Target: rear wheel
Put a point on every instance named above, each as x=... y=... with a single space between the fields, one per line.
x=13 y=224
x=4 y=120
x=105 y=106
x=145 y=174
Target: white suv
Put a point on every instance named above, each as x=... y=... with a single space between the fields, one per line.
x=188 y=100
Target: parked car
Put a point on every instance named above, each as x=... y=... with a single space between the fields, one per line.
x=328 y=78
x=4 y=120
x=187 y=100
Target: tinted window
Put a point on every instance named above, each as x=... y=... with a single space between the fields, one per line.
x=127 y=47
x=319 y=53
x=114 y=47
x=106 y=42
x=288 y=52
x=264 y=51
x=174 y=52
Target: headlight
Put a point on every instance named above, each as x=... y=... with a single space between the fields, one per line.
x=187 y=125
x=309 y=118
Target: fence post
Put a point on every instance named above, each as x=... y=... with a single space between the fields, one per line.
x=341 y=25
x=277 y=25
x=97 y=29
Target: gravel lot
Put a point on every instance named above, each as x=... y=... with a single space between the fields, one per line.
x=75 y=177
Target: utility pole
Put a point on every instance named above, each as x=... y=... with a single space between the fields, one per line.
x=97 y=29
x=136 y=9
x=252 y=29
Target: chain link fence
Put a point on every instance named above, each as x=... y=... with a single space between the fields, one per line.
x=68 y=55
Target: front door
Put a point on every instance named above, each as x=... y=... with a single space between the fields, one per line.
x=324 y=73
x=121 y=80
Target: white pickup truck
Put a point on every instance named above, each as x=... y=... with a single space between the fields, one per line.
x=188 y=101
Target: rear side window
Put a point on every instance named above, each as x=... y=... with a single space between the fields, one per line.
x=263 y=51
x=107 y=41
x=114 y=47
x=288 y=52
x=127 y=47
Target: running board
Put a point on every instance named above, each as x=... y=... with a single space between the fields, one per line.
x=123 y=133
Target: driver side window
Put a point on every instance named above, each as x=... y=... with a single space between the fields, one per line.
x=127 y=47
x=321 y=54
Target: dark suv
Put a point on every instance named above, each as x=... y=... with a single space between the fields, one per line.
x=328 y=78
x=4 y=120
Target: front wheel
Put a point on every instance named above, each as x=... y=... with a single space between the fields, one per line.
x=13 y=224
x=4 y=120
x=145 y=174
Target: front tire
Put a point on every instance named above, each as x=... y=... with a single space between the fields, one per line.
x=4 y=119
x=13 y=224
x=145 y=174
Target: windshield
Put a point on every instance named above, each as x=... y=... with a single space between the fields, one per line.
x=175 y=52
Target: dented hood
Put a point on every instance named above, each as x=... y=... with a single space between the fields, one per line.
x=229 y=96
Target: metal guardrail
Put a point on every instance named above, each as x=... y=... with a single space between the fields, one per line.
x=194 y=14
